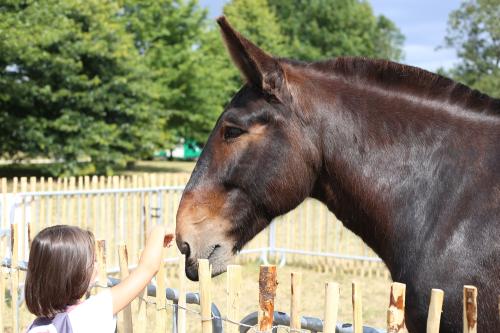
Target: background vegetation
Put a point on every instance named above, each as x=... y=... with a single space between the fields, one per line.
x=94 y=85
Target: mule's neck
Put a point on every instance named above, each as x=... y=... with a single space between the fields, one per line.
x=388 y=162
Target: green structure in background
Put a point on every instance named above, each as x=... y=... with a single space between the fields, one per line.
x=186 y=150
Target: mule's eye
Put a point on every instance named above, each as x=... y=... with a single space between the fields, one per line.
x=232 y=132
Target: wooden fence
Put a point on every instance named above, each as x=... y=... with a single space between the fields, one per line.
x=135 y=318
x=121 y=209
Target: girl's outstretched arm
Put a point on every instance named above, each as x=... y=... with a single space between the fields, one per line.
x=149 y=264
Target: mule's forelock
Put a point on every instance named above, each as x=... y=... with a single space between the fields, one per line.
x=260 y=69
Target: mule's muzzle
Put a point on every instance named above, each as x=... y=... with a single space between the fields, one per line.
x=184 y=248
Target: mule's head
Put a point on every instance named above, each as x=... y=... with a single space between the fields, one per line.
x=259 y=162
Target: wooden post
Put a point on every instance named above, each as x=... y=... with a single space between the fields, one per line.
x=233 y=297
x=161 y=300
x=34 y=218
x=102 y=210
x=205 y=275
x=22 y=227
x=136 y=222
x=101 y=263
x=62 y=185
x=470 y=309
x=2 y=287
x=357 y=307
x=332 y=295
x=72 y=203
x=295 y=306
x=14 y=276
x=94 y=205
x=396 y=311
x=267 y=292
x=435 y=307
x=141 y=323
x=125 y=323
x=181 y=313
x=5 y=211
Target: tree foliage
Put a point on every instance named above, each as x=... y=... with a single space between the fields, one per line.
x=96 y=84
x=474 y=31
x=322 y=29
x=172 y=38
x=72 y=87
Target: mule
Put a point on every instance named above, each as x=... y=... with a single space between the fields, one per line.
x=406 y=159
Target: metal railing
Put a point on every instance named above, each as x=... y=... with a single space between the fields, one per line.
x=124 y=215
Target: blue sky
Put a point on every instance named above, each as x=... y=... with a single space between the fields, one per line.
x=423 y=22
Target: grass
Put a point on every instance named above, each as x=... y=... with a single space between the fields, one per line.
x=40 y=169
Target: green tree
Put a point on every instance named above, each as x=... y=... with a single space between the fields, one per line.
x=257 y=21
x=72 y=87
x=168 y=33
x=322 y=29
x=474 y=31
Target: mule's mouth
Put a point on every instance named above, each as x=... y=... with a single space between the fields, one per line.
x=218 y=258
x=215 y=247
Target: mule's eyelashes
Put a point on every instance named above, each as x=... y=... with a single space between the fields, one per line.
x=230 y=132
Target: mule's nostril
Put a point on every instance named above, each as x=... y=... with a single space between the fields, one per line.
x=185 y=249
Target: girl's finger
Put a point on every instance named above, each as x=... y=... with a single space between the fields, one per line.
x=167 y=240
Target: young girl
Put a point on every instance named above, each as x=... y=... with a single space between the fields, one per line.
x=61 y=269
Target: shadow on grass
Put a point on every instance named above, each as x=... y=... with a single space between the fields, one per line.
x=42 y=169
x=24 y=170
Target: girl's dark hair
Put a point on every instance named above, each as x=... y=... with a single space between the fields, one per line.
x=60 y=267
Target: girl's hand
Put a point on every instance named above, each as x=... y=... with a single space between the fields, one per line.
x=149 y=264
x=151 y=257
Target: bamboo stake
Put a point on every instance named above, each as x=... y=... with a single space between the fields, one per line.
x=22 y=227
x=33 y=213
x=233 y=296
x=125 y=322
x=2 y=286
x=136 y=223
x=181 y=313
x=141 y=323
x=396 y=311
x=79 y=204
x=102 y=209
x=72 y=203
x=435 y=308
x=94 y=206
x=357 y=307
x=267 y=293
x=161 y=300
x=332 y=295
x=50 y=188
x=295 y=306
x=101 y=263
x=5 y=211
x=63 y=218
x=470 y=309
x=14 y=272
x=205 y=273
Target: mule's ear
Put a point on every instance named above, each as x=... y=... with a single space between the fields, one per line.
x=260 y=69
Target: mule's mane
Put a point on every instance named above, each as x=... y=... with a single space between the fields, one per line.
x=409 y=79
